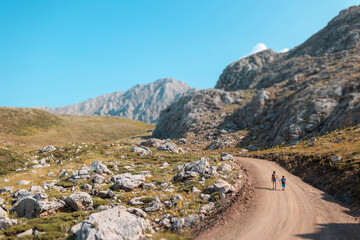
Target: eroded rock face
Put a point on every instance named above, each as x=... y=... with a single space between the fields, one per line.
x=242 y=73
x=127 y=182
x=113 y=224
x=80 y=201
x=186 y=114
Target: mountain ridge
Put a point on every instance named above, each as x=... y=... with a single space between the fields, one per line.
x=309 y=90
x=140 y=102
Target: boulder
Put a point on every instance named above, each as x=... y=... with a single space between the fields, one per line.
x=6 y=223
x=100 y=168
x=79 y=175
x=49 y=148
x=3 y=213
x=224 y=168
x=226 y=157
x=80 y=201
x=99 y=179
x=113 y=224
x=336 y=159
x=152 y=142
x=35 y=189
x=168 y=146
x=154 y=205
x=193 y=170
x=176 y=199
x=23 y=182
x=36 y=206
x=207 y=208
x=127 y=182
x=222 y=187
x=141 y=151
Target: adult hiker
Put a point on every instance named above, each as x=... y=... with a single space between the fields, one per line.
x=283 y=182
x=273 y=179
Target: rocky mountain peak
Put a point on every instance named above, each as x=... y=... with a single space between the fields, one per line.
x=341 y=33
x=141 y=102
x=242 y=73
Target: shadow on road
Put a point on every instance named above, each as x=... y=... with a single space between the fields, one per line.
x=270 y=189
x=335 y=231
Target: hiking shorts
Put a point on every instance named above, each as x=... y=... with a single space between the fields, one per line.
x=283 y=185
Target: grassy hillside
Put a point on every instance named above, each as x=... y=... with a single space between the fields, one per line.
x=24 y=131
x=35 y=128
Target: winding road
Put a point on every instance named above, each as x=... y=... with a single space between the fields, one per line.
x=300 y=212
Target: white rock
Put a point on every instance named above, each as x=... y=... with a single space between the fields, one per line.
x=113 y=224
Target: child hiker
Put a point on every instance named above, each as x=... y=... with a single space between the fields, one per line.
x=283 y=182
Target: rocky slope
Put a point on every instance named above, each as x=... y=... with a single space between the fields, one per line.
x=311 y=89
x=142 y=102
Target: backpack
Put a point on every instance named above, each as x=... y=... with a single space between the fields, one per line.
x=273 y=176
x=283 y=180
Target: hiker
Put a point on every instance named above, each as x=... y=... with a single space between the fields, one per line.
x=283 y=182
x=273 y=179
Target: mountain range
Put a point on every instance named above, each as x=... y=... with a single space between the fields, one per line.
x=141 y=102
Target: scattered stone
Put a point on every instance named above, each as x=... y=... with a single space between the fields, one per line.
x=5 y=223
x=80 y=201
x=24 y=234
x=49 y=148
x=226 y=157
x=141 y=151
x=152 y=142
x=205 y=197
x=99 y=168
x=86 y=187
x=154 y=205
x=176 y=199
x=79 y=175
x=23 y=182
x=224 y=168
x=35 y=189
x=336 y=159
x=195 y=190
x=181 y=141
x=168 y=146
x=207 y=208
x=99 y=179
x=222 y=187
x=127 y=182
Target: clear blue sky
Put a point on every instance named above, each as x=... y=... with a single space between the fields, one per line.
x=54 y=53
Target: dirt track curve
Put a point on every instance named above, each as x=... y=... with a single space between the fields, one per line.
x=300 y=212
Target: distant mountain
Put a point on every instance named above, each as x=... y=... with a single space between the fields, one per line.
x=141 y=102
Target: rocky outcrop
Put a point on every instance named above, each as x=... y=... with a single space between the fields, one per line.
x=112 y=224
x=142 y=102
x=127 y=182
x=241 y=74
x=187 y=114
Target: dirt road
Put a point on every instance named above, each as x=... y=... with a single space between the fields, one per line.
x=300 y=212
